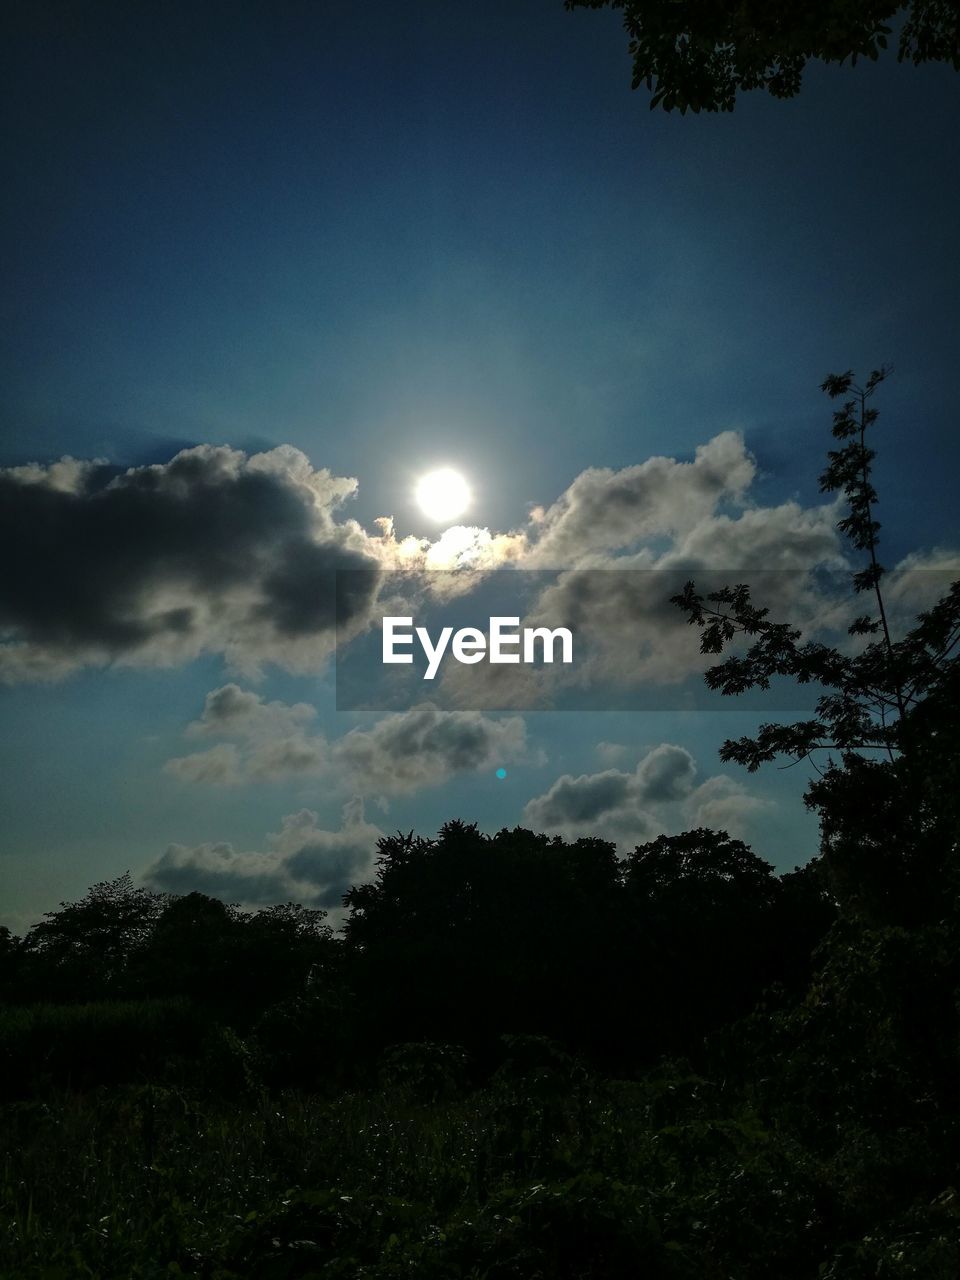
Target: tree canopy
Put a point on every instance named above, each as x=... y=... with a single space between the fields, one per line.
x=887 y=716
x=698 y=55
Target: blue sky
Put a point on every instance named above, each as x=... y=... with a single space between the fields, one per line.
x=399 y=236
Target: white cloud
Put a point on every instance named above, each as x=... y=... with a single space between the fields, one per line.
x=216 y=551
x=302 y=863
x=724 y=804
x=605 y=510
x=268 y=741
x=659 y=796
x=220 y=766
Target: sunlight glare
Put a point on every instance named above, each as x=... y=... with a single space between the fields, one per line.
x=443 y=494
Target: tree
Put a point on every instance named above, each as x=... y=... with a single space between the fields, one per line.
x=279 y=950
x=698 y=54
x=701 y=922
x=11 y=949
x=83 y=950
x=889 y=825
x=190 y=952
x=236 y=963
x=468 y=936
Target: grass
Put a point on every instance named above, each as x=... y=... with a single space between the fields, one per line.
x=147 y=1181
x=536 y=1176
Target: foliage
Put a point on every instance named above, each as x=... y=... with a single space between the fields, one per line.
x=890 y=831
x=468 y=937
x=698 y=54
x=122 y=941
x=424 y=1072
x=675 y=1176
x=527 y=1057
x=83 y=1045
x=461 y=940
x=82 y=950
x=703 y=933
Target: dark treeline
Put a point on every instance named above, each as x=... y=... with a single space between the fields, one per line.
x=460 y=939
x=525 y=1057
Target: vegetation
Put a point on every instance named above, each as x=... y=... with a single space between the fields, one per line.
x=525 y=1057
x=698 y=54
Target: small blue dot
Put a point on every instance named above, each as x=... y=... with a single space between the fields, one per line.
x=501 y=774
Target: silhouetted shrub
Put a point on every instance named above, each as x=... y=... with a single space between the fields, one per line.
x=83 y=1045
x=425 y=1072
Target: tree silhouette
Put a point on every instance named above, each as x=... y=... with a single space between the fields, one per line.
x=699 y=54
x=468 y=936
x=873 y=694
x=889 y=826
x=234 y=962
x=701 y=917
x=82 y=950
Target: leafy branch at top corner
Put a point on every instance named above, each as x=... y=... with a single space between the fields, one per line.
x=697 y=55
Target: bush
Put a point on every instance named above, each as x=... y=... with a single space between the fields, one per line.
x=82 y=1045
x=424 y=1072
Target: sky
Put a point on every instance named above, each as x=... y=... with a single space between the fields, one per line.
x=266 y=266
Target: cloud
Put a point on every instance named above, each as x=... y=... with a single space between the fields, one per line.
x=269 y=741
x=666 y=773
x=633 y=635
x=605 y=510
x=630 y=808
x=302 y=863
x=213 y=551
x=626 y=541
x=724 y=805
x=402 y=752
x=426 y=745
x=218 y=767
x=463 y=547
x=917 y=582
x=295 y=756
x=230 y=711
x=217 y=551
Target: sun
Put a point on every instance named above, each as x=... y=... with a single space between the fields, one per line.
x=443 y=494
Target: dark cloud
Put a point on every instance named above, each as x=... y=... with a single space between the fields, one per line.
x=219 y=871
x=426 y=745
x=630 y=808
x=665 y=774
x=614 y=803
x=228 y=708
x=578 y=800
x=399 y=753
x=213 y=550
